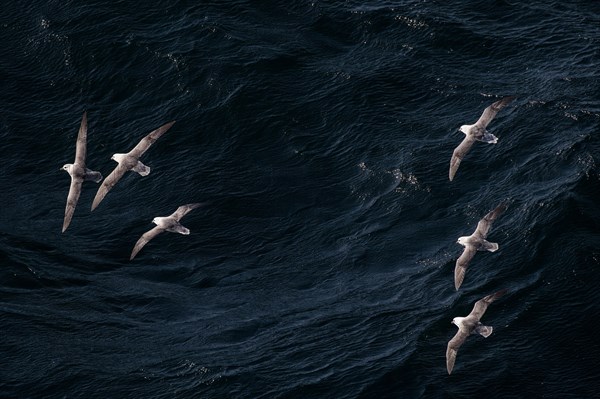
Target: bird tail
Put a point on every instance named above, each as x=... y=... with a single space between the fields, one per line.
x=489 y=138
x=141 y=169
x=179 y=229
x=490 y=246
x=486 y=331
x=92 y=175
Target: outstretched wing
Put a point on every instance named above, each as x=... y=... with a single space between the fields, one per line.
x=461 y=265
x=484 y=225
x=458 y=154
x=108 y=184
x=147 y=236
x=183 y=210
x=80 y=148
x=72 y=198
x=147 y=141
x=482 y=304
x=452 y=349
x=490 y=112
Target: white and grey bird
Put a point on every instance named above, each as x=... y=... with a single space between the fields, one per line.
x=476 y=242
x=167 y=223
x=470 y=325
x=477 y=132
x=129 y=161
x=79 y=173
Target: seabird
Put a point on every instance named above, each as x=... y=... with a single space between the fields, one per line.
x=129 y=161
x=79 y=173
x=168 y=223
x=470 y=325
x=477 y=132
x=476 y=242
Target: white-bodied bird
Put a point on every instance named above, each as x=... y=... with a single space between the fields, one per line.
x=477 y=132
x=476 y=242
x=167 y=223
x=129 y=161
x=79 y=173
x=470 y=325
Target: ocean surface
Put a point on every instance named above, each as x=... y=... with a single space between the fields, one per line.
x=319 y=135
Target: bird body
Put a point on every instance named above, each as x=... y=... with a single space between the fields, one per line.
x=164 y=223
x=129 y=161
x=78 y=172
x=476 y=132
x=470 y=325
x=476 y=242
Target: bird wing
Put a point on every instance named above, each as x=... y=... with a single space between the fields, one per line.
x=452 y=349
x=482 y=304
x=80 y=148
x=490 y=112
x=147 y=141
x=72 y=198
x=484 y=225
x=461 y=265
x=183 y=210
x=108 y=184
x=147 y=236
x=458 y=154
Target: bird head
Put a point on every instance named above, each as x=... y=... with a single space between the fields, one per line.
x=154 y=221
x=462 y=241
x=67 y=166
x=457 y=321
x=465 y=128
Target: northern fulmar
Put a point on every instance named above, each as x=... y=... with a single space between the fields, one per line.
x=167 y=223
x=129 y=161
x=477 y=132
x=79 y=173
x=476 y=242
x=470 y=325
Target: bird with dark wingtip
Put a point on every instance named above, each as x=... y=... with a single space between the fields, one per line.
x=476 y=242
x=129 y=161
x=470 y=325
x=477 y=132
x=79 y=173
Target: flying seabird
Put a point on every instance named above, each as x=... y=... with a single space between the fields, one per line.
x=477 y=132
x=129 y=161
x=470 y=325
x=168 y=223
x=79 y=173
x=476 y=242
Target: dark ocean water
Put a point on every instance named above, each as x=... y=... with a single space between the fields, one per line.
x=320 y=133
